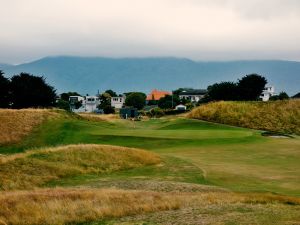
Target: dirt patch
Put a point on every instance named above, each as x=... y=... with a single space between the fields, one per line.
x=276 y=135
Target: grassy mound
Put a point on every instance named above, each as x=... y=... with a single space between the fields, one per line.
x=15 y=124
x=35 y=168
x=278 y=116
x=64 y=206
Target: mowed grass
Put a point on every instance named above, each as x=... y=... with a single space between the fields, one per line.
x=236 y=158
x=35 y=168
x=276 y=116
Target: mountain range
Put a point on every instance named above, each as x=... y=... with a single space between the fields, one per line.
x=88 y=75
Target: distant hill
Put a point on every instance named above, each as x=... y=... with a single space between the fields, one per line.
x=3 y=66
x=90 y=74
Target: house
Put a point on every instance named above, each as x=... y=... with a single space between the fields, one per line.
x=84 y=104
x=91 y=103
x=118 y=102
x=155 y=95
x=267 y=93
x=77 y=104
x=128 y=112
x=193 y=95
x=180 y=108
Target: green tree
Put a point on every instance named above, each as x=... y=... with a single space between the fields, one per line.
x=168 y=102
x=226 y=91
x=4 y=91
x=31 y=91
x=136 y=100
x=105 y=103
x=281 y=96
x=250 y=87
x=108 y=109
x=65 y=96
x=62 y=104
x=111 y=93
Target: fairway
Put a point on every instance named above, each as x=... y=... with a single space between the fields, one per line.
x=102 y=170
x=193 y=151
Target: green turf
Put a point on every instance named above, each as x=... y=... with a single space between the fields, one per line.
x=193 y=151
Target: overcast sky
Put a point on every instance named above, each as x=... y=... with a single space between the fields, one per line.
x=196 y=29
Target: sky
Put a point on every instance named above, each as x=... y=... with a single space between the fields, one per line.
x=206 y=30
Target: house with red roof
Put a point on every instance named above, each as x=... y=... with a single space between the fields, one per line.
x=155 y=95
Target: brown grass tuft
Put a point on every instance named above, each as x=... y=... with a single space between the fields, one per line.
x=35 y=168
x=99 y=117
x=62 y=206
x=16 y=124
x=277 y=116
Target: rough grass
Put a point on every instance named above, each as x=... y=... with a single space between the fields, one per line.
x=36 y=168
x=99 y=117
x=65 y=206
x=62 y=206
x=16 y=124
x=277 y=116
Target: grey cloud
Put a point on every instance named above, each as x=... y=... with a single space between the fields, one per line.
x=200 y=29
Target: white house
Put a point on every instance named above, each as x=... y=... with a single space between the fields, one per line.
x=73 y=100
x=268 y=92
x=194 y=95
x=88 y=103
x=91 y=103
x=118 y=102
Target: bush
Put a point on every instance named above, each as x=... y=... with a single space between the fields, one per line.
x=108 y=109
x=62 y=104
x=281 y=96
x=156 y=112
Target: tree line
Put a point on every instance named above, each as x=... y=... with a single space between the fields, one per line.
x=248 y=88
x=25 y=90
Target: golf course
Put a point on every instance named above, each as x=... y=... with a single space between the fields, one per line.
x=171 y=170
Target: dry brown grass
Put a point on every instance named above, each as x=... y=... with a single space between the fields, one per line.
x=37 y=167
x=99 y=117
x=277 y=116
x=61 y=206
x=15 y=124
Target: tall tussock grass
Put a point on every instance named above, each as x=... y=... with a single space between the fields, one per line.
x=99 y=117
x=276 y=116
x=64 y=206
x=74 y=206
x=37 y=167
x=15 y=124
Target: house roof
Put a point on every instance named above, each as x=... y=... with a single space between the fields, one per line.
x=193 y=92
x=156 y=95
